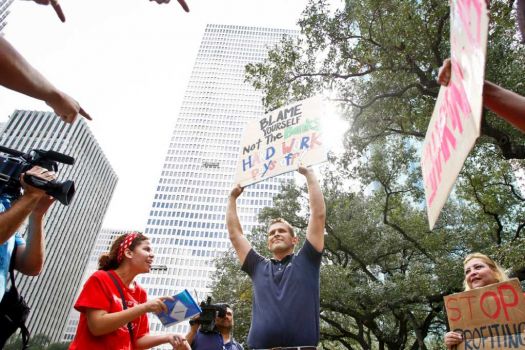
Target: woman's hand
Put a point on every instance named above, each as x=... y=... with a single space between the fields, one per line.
x=452 y=339
x=156 y=305
x=178 y=341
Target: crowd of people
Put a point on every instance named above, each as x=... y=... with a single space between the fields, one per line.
x=113 y=307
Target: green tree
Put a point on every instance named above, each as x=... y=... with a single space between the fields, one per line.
x=36 y=342
x=384 y=273
x=58 y=346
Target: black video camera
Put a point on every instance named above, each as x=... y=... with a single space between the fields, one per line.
x=18 y=163
x=207 y=316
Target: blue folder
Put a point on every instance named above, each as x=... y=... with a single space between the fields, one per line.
x=181 y=308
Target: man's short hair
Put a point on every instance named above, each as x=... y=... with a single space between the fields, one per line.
x=282 y=221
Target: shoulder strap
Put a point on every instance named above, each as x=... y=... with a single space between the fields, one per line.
x=23 y=328
x=124 y=306
x=12 y=267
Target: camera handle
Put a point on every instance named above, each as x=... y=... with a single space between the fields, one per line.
x=35 y=181
x=63 y=191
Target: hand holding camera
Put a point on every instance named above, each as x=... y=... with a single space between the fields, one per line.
x=35 y=169
x=206 y=318
x=44 y=200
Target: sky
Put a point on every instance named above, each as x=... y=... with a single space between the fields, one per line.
x=127 y=62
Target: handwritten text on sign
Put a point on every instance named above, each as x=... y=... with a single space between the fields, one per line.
x=491 y=317
x=280 y=141
x=455 y=123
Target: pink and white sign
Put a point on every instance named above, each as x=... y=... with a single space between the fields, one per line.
x=456 y=120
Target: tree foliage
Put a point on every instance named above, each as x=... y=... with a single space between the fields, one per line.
x=36 y=342
x=384 y=273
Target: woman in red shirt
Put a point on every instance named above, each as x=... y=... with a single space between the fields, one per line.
x=104 y=322
x=480 y=271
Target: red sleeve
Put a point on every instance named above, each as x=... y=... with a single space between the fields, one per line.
x=94 y=295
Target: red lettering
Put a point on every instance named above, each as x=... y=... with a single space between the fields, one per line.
x=448 y=138
x=496 y=300
x=453 y=309
x=504 y=304
x=288 y=149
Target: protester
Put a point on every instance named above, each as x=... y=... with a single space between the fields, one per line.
x=219 y=338
x=29 y=258
x=113 y=306
x=480 y=271
x=285 y=302
x=505 y=103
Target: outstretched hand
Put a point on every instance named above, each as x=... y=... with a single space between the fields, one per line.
x=66 y=107
x=181 y=2
x=177 y=341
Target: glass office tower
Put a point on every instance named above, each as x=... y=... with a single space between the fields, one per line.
x=187 y=218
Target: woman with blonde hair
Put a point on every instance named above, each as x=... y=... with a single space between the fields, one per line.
x=480 y=271
x=113 y=306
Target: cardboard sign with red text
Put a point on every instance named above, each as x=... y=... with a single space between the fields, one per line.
x=282 y=140
x=491 y=317
x=456 y=119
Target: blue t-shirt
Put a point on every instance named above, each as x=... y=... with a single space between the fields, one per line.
x=6 y=249
x=213 y=341
x=285 y=303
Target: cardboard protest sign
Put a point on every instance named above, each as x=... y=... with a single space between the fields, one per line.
x=491 y=317
x=456 y=120
x=280 y=141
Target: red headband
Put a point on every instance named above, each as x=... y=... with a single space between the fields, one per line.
x=125 y=245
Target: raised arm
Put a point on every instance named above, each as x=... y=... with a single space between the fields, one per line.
x=17 y=74
x=315 y=231
x=12 y=219
x=30 y=257
x=240 y=243
x=505 y=103
x=194 y=328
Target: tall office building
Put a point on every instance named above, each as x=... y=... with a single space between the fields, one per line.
x=70 y=230
x=102 y=245
x=187 y=217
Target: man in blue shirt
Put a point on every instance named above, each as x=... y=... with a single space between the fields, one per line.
x=220 y=339
x=34 y=203
x=285 y=302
